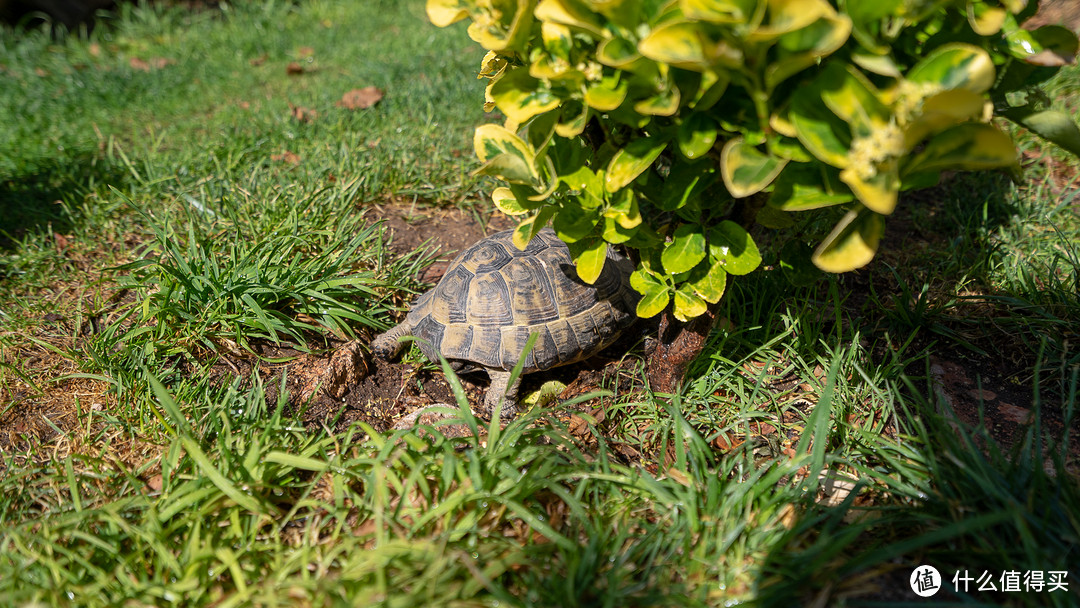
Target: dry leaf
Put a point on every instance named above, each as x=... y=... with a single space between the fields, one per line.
x=94 y=49
x=294 y=68
x=305 y=51
x=261 y=59
x=155 y=63
x=287 y=157
x=303 y=114
x=983 y=394
x=1019 y=415
x=360 y=99
x=61 y=241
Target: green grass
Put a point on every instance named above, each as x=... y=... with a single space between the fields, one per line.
x=146 y=208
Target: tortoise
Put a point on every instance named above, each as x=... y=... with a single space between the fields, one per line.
x=493 y=296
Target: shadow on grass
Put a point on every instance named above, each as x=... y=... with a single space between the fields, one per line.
x=47 y=195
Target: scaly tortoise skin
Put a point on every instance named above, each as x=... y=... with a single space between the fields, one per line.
x=493 y=296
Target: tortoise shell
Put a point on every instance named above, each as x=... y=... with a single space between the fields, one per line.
x=493 y=296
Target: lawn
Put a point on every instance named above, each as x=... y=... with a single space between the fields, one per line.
x=195 y=222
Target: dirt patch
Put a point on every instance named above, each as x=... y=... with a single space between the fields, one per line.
x=445 y=231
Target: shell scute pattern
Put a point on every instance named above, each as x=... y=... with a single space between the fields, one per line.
x=494 y=295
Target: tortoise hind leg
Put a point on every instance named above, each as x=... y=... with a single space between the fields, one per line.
x=387 y=345
x=500 y=387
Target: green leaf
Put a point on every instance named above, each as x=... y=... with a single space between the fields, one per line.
x=624 y=209
x=686 y=249
x=796 y=265
x=745 y=169
x=615 y=233
x=804 y=186
x=966 y=146
x=852 y=243
x=654 y=293
x=1052 y=125
x=731 y=245
x=631 y=161
x=696 y=135
x=585 y=186
x=589 y=256
x=572 y=223
x=688 y=305
x=520 y=96
x=955 y=66
x=708 y=280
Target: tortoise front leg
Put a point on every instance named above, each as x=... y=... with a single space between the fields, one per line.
x=500 y=387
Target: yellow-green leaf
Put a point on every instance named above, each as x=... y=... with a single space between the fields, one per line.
x=852 y=243
x=589 y=257
x=966 y=146
x=852 y=97
x=664 y=103
x=806 y=46
x=631 y=161
x=654 y=293
x=745 y=169
x=615 y=233
x=506 y=202
x=719 y=11
x=882 y=65
x=607 y=94
x=709 y=280
x=528 y=227
x=571 y=13
x=679 y=44
x=501 y=150
x=955 y=66
x=446 y=12
x=586 y=186
x=508 y=31
x=685 y=250
x=879 y=192
x=520 y=96
x=943 y=110
x=986 y=20
x=787 y=16
x=688 y=305
x=572 y=119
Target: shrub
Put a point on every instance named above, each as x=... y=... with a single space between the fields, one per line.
x=671 y=126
